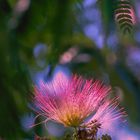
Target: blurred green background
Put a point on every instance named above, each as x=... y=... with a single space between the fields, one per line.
x=37 y=37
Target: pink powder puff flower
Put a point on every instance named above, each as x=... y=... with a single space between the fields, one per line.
x=71 y=101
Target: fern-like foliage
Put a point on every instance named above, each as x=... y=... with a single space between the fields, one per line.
x=124 y=15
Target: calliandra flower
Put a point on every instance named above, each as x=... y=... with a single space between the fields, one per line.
x=70 y=101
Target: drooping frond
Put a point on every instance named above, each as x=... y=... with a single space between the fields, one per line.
x=124 y=16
